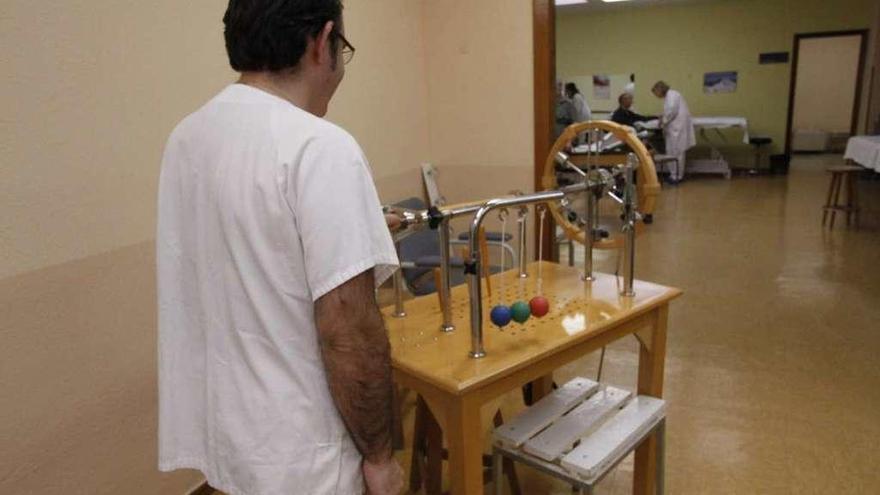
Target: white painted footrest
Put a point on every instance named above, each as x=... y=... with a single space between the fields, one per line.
x=544 y=412
x=597 y=452
x=561 y=436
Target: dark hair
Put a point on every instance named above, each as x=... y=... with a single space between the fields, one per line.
x=272 y=35
x=572 y=88
x=621 y=97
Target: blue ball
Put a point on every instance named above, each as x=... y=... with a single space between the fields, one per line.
x=500 y=315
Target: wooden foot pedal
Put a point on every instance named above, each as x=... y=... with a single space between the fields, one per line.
x=561 y=436
x=620 y=434
x=544 y=412
x=580 y=432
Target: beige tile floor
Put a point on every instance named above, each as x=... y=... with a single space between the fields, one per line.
x=772 y=374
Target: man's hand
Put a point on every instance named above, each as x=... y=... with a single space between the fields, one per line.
x=385 y=478
x=393 y=221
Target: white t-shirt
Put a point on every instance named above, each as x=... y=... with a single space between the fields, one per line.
x=263 y=208
x=583 y=110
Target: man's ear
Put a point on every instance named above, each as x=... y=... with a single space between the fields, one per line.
x=321 y=53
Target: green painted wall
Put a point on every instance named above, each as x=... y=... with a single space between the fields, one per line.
x=678 y=43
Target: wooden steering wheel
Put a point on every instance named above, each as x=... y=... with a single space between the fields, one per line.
x=648 y=186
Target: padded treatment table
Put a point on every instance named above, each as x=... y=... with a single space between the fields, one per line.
x=582 y=319
x=716 y=163
x=718 y=123
x=864 y=150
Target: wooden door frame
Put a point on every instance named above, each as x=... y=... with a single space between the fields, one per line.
x=793 y=83
x=544 y=40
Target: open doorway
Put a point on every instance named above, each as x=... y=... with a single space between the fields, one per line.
x=826 y=86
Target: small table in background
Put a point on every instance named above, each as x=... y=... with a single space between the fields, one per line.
x=864 y=150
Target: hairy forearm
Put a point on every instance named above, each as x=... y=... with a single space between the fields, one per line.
x=357 y=358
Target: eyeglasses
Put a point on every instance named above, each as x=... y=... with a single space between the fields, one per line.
x=347 y=49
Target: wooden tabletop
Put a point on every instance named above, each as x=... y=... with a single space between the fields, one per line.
x=578 y=311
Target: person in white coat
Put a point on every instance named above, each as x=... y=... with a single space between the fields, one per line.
x=582 y=110
x=677 y=124
x=274 y=361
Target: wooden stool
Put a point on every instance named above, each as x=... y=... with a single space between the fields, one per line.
x=580 y=432
x=428 y=455
x=839 y=175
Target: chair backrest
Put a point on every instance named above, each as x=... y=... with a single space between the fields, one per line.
x=423 y=243
x=429 y=179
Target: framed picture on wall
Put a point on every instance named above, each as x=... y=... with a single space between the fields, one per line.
x=601 y=87
x=719 y=82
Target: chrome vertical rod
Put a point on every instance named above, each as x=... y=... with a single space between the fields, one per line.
x=630 y=205
x=472 y=264
x=445 y=265
x=589 y=213
x=521 y=254
x=399 y=310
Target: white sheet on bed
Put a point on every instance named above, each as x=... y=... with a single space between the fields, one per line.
x=864 y=150
x=710 y=123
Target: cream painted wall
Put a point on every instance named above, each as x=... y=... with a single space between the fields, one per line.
x=382 y=100
x=91 y=91
x=94 y=87
x=479 y=69
x=678 y=43
x=826 y=84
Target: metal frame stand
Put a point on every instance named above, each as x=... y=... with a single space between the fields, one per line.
x=597 y=183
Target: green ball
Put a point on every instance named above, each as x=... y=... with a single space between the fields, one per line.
x=520 y=311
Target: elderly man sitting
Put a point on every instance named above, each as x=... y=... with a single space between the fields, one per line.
x=624 y=115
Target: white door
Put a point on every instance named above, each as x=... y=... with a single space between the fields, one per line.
x=825 y=91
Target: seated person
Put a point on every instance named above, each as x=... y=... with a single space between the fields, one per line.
x=624 y=116
x=566 y=113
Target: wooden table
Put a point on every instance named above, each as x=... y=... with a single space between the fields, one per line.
x=583 y=318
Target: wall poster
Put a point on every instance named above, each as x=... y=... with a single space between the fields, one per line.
x=601 y=87
x=720 y=82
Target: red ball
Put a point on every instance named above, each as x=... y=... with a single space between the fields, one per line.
x=540 y=306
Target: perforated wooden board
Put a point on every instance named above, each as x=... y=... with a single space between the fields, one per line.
x=578 y=311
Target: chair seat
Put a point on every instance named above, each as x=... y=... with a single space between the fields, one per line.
x=760 y=141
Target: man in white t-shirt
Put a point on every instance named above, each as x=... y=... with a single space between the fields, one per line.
x=274 y=363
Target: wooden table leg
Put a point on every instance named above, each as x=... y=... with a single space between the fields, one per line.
x=397 y=440
x=849 y=184
x=465 y=442
x=836 y=201
x=417 y=464
x=542 y=387
x=652 y=357
x=855 y=192
x=828 y=200
x=434 y=464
